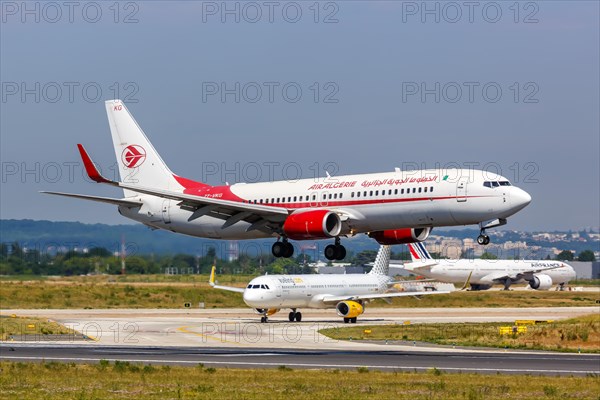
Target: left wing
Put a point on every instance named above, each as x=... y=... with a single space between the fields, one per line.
x=211 y=282
x=337 y=299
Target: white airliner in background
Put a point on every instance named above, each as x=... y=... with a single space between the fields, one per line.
x=482 y=274
x=391 y=207
x=348 y=293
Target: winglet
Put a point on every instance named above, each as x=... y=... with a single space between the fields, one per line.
x=90 y=168
x=211 y=280
x=467 y=282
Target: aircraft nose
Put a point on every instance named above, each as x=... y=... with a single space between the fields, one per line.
x=519 y=198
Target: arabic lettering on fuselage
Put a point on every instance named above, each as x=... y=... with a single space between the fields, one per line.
x=374 y=183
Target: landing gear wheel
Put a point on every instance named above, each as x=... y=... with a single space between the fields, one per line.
x=335 y=252
x=292 y=316
x=282 y=249
x=346 y=320
x=340 y=252
x=483 y=239
x=298 y=316
x=289 y=250
x=263 y=320
x=278 y=249
x=353 y=320
x=330 y=252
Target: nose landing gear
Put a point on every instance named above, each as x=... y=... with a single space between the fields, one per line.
x=483 y=239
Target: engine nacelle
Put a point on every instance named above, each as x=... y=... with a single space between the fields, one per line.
x=263 y=311
x=541 y=282
x=349 y=309
x=401 y=236
x=315 y=224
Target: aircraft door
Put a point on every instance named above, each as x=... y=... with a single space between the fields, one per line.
x=461 y=189
x=166 y=211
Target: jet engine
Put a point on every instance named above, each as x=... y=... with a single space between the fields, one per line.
x=349 y=309
x=315 y=224
x=541 y=282
x=401 y=236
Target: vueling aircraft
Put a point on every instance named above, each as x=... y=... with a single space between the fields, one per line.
x=391 y=207
x=347 y=293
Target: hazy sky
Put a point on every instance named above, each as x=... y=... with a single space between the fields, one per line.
x=225 y=90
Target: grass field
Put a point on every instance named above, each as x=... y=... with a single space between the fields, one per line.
x=162 y=291
x=582 y=333
x=15 y=325
x=122 y=380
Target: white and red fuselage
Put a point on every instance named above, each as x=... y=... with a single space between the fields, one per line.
x=372 y=202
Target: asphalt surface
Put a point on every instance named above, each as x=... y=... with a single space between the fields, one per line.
x=510 y=362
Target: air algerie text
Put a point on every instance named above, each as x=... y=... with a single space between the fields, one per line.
x=332 y=185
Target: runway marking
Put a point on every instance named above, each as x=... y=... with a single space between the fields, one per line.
x=184 y=329
x=318 y=366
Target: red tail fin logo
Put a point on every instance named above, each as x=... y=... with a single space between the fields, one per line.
x=133 y=156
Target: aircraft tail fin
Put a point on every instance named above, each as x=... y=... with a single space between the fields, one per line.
x=418 y=252
x=139 y=163
x=381 y=266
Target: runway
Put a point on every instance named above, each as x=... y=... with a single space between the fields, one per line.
x=234 y=338
x=480 y=362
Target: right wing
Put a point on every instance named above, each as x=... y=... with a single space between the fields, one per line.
x=211 y=282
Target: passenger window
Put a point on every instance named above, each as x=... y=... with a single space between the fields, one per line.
x=371 y=193
x=425 y=189
x=357 y=194
x=272 y=201
x=365 y=194
x=341 y=194
x=352 y=194
x=290 y=199
x=377 y=193
x=419 y=190
x=329 y=196
x=390 y=191
x=401 y=191
x=431 y=189
x=324 y=196
x=335 y=195
x=314 y=197
x=414 y=190
x=395 y=191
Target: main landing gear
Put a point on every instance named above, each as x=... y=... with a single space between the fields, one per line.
x=295 y=315
x=335 y=251
x=282 y=249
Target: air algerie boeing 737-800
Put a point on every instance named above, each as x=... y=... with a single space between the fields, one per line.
x=348 y=294
x=391 y=207
x=482 y=274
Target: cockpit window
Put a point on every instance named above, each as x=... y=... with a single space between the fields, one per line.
x=495 y=184
x=505 y=183
x=266 y=287
x=249 y=287
x=487 y=184
x=256 y=287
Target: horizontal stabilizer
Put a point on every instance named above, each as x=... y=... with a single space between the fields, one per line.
x=109 y=200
